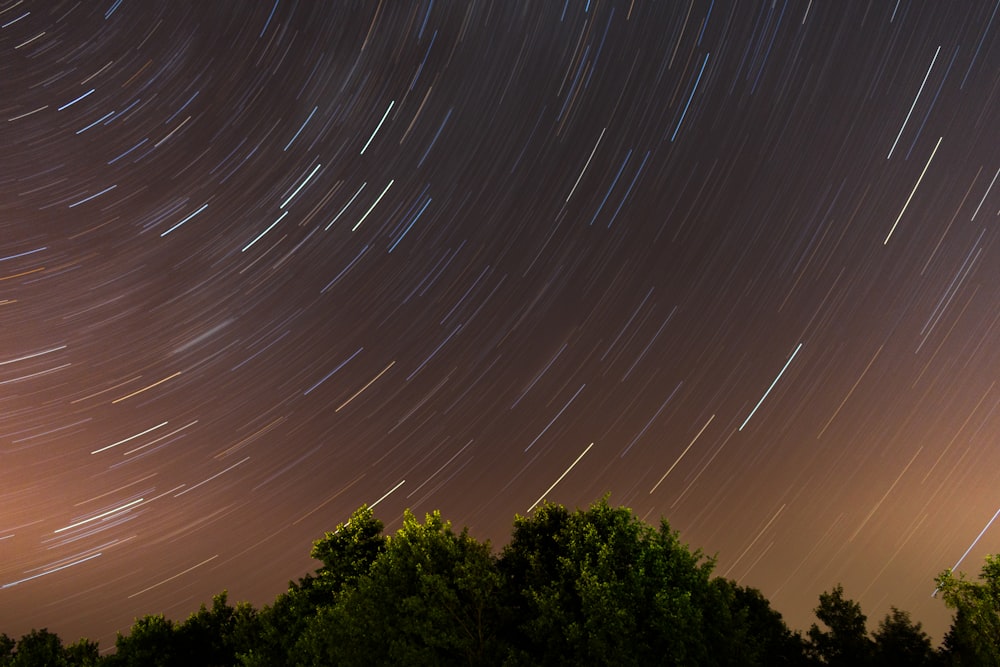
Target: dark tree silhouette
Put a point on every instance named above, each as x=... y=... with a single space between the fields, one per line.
x=899 y=642
x=845 y=642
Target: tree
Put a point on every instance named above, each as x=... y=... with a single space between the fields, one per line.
x=279 y=625
x=974 y=637
x=7 y=645
x=601 y=587
x=595 y=587
x=349 y=551
x=758 y=634
x=39 y=647
x=901 y=643
x=846 y=642
x=82 y=653
x=44 y=648
x=150 y=643
x=218 y=635
x=427 y=599
x=346 y=553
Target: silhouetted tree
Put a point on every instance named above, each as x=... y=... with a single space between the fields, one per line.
x=280 y=625
x=901 y=643
x=218 y=635
x=846 y=641
x=758 y=635
x=7 y=645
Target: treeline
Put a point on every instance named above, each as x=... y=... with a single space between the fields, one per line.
x=590 y=587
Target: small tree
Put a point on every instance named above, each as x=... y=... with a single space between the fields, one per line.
x=901 y=643
x=846 y=641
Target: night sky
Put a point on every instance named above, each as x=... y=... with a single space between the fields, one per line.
x=736 y=264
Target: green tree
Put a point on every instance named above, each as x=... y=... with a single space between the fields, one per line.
x=345 y=554
x=758 y=635
x=44 y=648
x=428 y=599
x=601 y=587
x=974 y=637
x=846 y=641
x=901 y=643
x=280 y=624
x=152 y=642
x=7 y=645
x=218 y=635
x=37 y=648
x=349 y=551
x=82 y=653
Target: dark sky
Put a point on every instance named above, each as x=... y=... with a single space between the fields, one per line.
x=265 y=262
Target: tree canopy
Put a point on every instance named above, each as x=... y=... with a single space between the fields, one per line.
x=593 y=586
x=974 y=638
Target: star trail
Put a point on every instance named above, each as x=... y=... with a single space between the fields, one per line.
x=735 y=263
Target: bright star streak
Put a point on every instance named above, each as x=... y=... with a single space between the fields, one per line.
x=900 y=216
x=566 y=472
x=770 y=388
x=377 y=127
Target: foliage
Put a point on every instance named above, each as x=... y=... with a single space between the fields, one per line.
x=846 y=641
x=279 y=626
x=349 y=551
x=759 y=635
x=151 y=643
x=39 y=647
x=82 y=653
x=898 y=642
x=7 y=645
x=595 y=587
x=901 y=643
x=44 y=648
x=346 y=554
x=218 y=635
x=600 y=587
x=427 y=599
x=974 y=638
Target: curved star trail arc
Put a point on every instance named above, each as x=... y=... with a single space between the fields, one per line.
x=261 y=263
